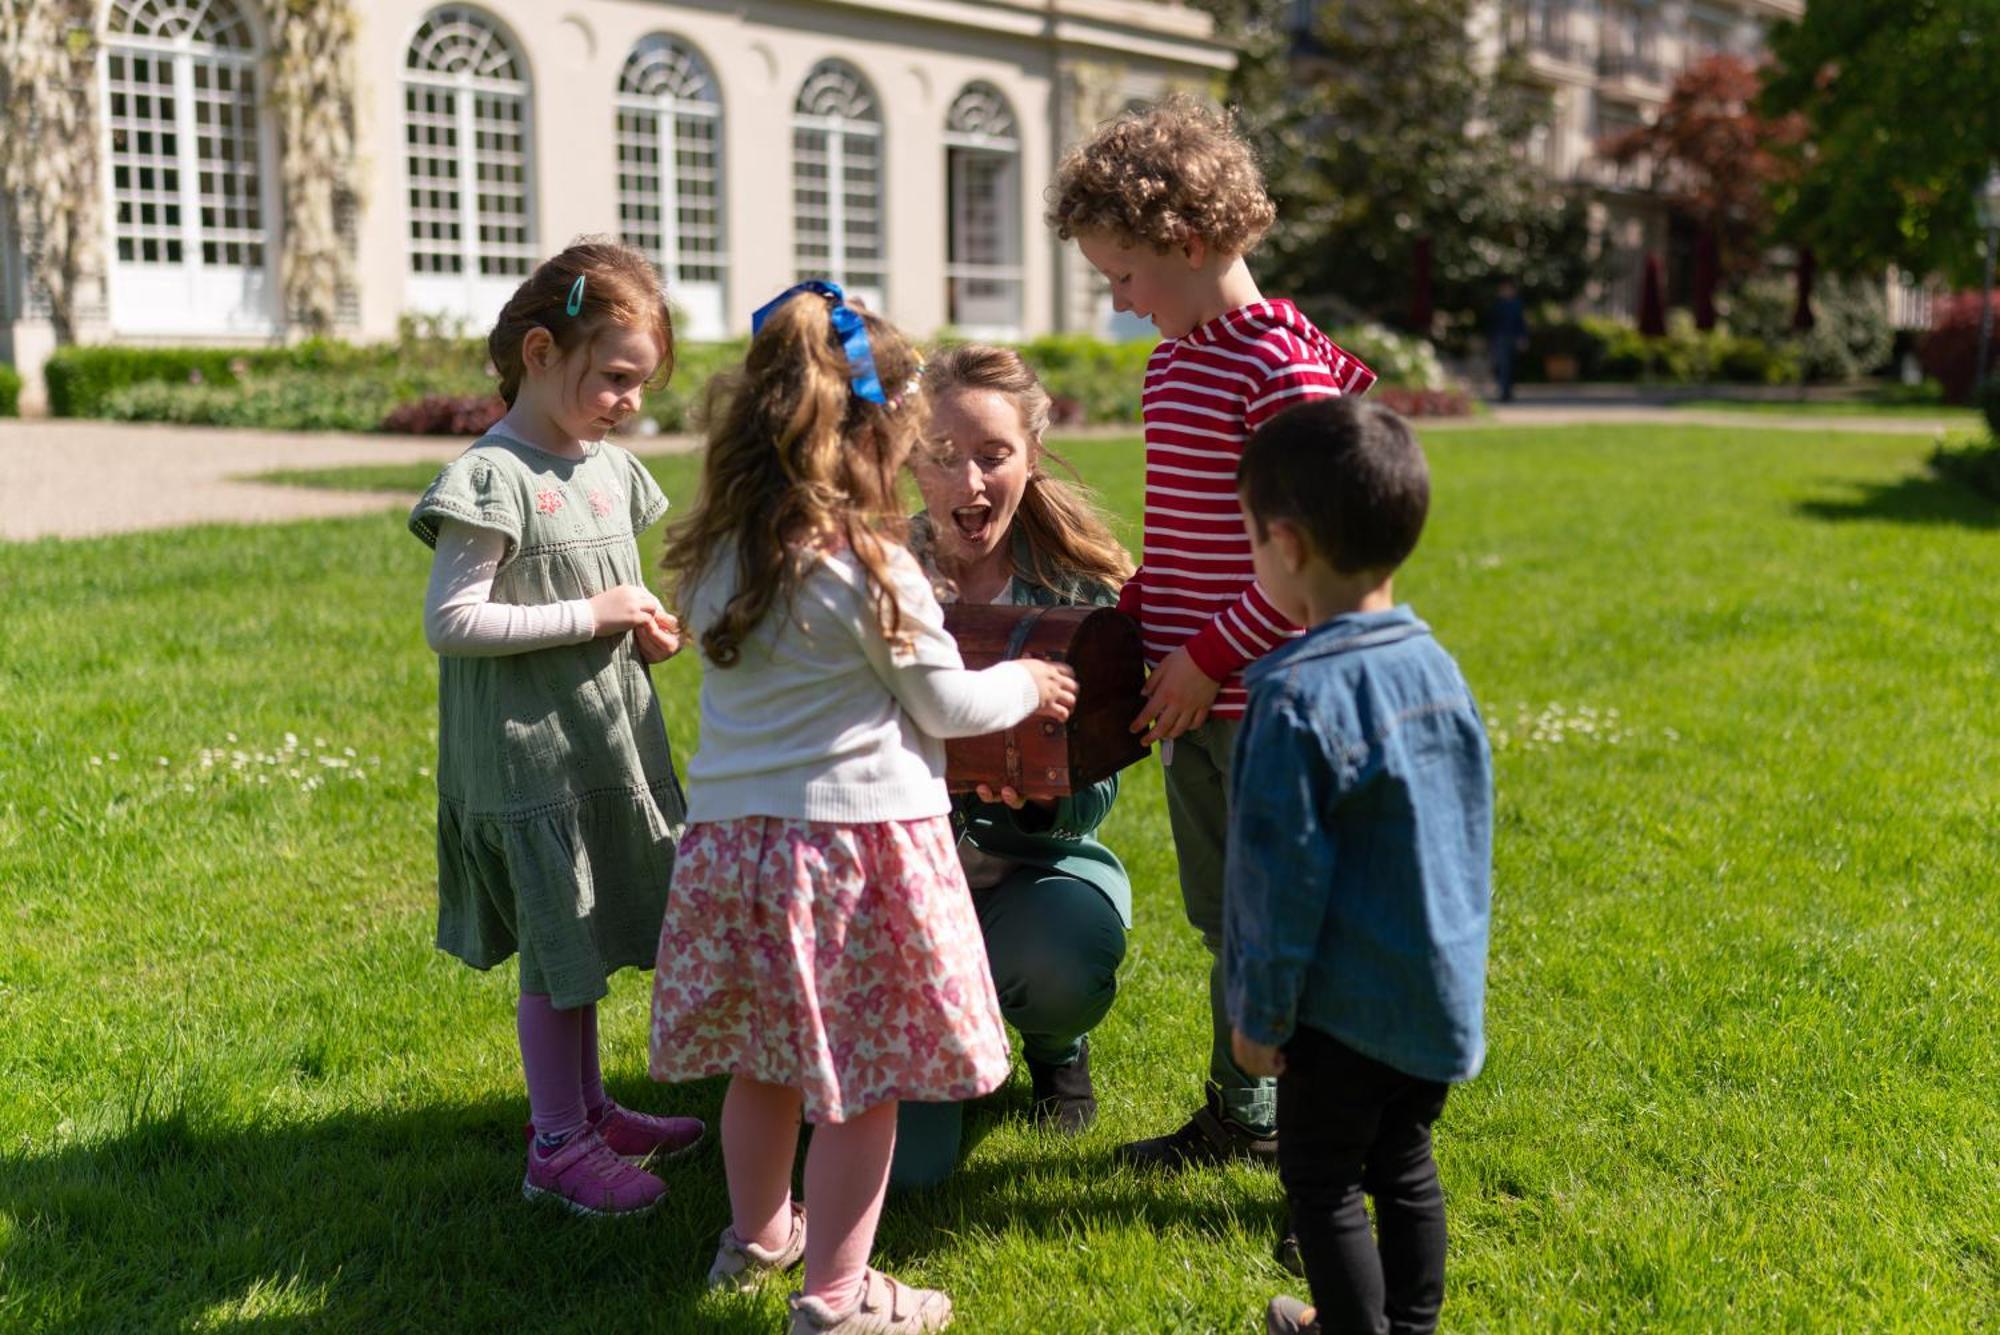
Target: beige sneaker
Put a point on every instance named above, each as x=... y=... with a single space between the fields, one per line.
x=885 y=1305
x=744 y=1265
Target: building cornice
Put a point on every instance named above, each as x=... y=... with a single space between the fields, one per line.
x=1166 y=32
x=1775 y=9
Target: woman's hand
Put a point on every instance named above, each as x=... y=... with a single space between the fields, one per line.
x=1010 y=796
x=624 y=607
x=1178 y=696
x=1055 y=683
x=658 y=639
x=1254 y=1058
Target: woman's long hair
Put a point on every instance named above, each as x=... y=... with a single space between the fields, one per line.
x=1069 y=542
x=798 y=464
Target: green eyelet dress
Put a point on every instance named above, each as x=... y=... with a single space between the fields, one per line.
x=558 y=807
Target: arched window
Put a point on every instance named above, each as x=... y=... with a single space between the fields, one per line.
x=837 y=194
x=670 y=174
x=983 y=185
x=188 y=158
x=467 y=164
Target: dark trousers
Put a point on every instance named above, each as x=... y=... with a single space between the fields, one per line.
x=1503 y=369
x=1352 y=1125
x=1054 y=944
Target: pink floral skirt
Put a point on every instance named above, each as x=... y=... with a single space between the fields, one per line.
x=840 y=960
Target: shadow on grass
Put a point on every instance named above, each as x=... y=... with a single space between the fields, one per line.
x=1047 y=1188
x=391 y=1219
x=1921 y=498
x=363 y=1220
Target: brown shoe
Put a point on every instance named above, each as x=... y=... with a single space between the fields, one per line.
x=1209 y=1137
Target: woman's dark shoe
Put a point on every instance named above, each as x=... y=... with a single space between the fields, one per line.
x=1209 y=1137
x=1064 y=1098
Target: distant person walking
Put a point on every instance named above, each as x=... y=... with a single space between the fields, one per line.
x=1507 y=335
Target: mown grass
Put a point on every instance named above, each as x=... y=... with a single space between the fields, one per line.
x=1745 y=995
x=1950 y=415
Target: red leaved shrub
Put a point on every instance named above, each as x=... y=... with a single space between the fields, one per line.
x=1422 y=402
x=1951 y=347
x=446 y=415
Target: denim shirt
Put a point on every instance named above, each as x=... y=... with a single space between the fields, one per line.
x=1361 y=848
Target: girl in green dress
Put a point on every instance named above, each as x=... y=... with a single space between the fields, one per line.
x=557 y=801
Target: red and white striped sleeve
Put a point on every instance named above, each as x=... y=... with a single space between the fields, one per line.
x=1247 y=629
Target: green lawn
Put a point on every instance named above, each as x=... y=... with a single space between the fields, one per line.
x=1948 y=414
x=1745 y=996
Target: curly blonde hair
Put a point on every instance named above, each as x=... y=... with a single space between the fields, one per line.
x=1164 y=176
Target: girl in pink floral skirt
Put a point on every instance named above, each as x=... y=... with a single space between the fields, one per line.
x=820 y=945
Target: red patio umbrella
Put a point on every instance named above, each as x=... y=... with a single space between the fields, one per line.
x=1652 y=306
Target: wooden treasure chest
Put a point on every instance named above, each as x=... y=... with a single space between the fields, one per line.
x=1040 y=758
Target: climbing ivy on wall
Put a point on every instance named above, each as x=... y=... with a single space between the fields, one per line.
x=49 y=167
x=313 y=93
x=48 y=154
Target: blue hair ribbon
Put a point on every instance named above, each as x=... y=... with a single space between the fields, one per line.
x=847 y=324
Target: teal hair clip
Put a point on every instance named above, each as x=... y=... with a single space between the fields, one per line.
x=575 y=304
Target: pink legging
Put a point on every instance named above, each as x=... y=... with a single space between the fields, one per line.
x=559 y=1058
x=847 y=1171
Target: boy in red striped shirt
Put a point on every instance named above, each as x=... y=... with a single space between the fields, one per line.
x=1165 y=204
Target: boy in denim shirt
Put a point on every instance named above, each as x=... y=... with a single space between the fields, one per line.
x=1359 y=867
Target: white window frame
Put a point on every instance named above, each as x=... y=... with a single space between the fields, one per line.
x=982 y=132
x=466 y=54
x=188 y=295
x=667 y=80
x=855 y=118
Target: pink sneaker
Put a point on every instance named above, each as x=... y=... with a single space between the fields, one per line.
x=636 y=1136
x=586 y=1177
x=640 y=1136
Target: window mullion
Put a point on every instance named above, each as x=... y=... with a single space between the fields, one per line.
x=188 y=159
x=468 y=179
x=670 y=186
x=836 y=204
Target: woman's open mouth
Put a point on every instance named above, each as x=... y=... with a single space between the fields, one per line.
x=974 y=523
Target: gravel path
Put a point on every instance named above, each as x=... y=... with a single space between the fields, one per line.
x=73 y=479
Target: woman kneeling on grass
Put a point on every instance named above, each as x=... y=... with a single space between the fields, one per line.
x=1053 y=903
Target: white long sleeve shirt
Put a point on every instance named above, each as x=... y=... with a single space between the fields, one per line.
x=462 y=621
x=821 y=718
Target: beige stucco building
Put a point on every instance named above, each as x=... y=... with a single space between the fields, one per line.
x=1608 y=66
x=898 y=146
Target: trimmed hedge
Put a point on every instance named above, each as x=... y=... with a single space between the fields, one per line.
x=10 y=391
x=429 y=385
x=1600 y=349
x=81 y=380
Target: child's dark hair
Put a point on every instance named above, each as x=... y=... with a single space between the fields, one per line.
x=796 y=459
x=1349 y=473
x=621 y=288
